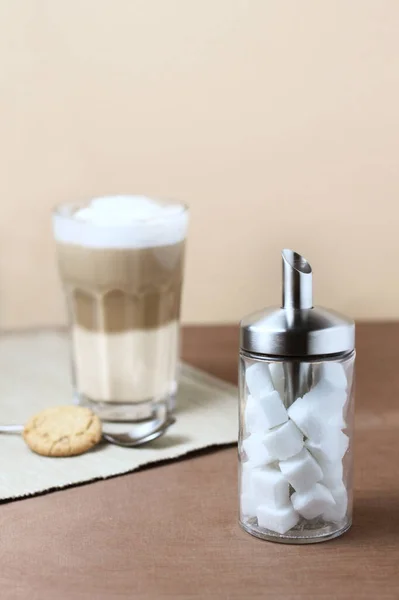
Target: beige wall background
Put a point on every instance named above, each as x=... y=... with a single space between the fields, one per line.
x=277 y=121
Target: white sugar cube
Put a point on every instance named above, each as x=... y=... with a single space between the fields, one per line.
x=246 y=476
x=274 y=409
x=312 y=503
x=247 y=498
x=279 y=520
x=256 y=451
x=337 y=513
x=270 y=487
x=276 y=370
x=317 y=411
x=258 y=379
x=333 y=373
x=247 y=505
x=332 y=473
x=302 y=470
x=264 y=412
x=336 y=420
x=283 y=441
x=343 y=444
x=331 y=448
x=334 y=400
x=254 y=417
x=307 y=417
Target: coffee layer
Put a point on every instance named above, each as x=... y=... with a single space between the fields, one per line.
x=114 y=290
x=119 y=311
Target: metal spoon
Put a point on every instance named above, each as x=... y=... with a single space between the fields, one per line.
x=138 y=435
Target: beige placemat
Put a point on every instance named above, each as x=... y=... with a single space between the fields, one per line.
x=34 y=374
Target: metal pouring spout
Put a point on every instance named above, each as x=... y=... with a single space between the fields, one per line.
x=297 y=295
x=297 y=281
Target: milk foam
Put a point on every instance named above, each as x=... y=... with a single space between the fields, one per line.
x=121 y=222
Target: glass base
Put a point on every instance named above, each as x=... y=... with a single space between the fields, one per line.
x=321 y=532
x=128 y=411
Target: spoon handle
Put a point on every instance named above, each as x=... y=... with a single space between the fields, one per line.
x=11 y=428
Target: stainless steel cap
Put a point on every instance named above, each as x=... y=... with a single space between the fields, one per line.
x=297 y=328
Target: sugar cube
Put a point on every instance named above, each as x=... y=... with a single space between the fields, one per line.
x=276 y=370
x=333 y=373
x=283 y=441
x=247 y=505
x=317 y=411
x=312 y=503
x=246 y=476
x=258 y=379
x=332 y=473
x=270 y=487
x=332 y=447
x=337 y=513
x=279 y=520
x=254 y=417
x=302 y=470
x=264 y=412
x=255 y=450
x=307 y=418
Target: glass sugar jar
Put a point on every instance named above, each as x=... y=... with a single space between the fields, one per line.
x=296 y=416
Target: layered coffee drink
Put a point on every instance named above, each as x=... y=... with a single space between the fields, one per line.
x=121 y=263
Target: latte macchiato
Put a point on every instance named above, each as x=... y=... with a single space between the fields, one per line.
x=121 y=262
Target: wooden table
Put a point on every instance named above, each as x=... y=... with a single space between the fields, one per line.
x=171 y=531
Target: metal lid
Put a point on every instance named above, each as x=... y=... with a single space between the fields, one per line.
x=297 y=328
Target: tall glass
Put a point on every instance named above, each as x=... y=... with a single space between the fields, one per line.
x=121 y=264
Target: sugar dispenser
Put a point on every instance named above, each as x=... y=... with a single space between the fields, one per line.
x=296 y=416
